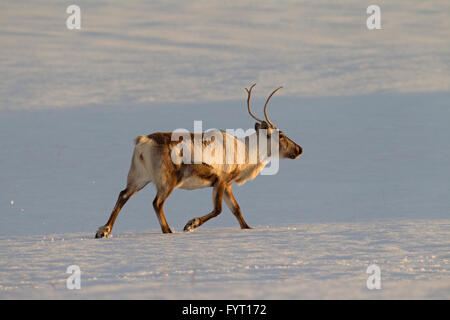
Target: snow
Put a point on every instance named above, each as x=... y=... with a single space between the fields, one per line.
x=370 y=110
x=313 y=260
x=365 y=158
x=136 y=52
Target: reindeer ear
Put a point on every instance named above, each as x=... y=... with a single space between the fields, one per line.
x=262 y=125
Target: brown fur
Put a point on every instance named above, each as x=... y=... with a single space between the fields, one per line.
x=152 y=162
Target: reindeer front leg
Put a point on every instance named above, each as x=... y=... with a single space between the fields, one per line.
x=218 y=191
x=234 y=207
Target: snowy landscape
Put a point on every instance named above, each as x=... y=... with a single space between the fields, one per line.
x=370 y=109
x=306 y=261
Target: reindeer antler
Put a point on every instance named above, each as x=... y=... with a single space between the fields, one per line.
x=249 y=91
x=265 y=107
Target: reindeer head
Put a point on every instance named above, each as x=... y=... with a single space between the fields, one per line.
x=287 y=147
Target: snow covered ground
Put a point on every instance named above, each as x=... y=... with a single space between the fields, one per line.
x=370 y=109
x=371 y=188
x=303 y=261
x=135 y=52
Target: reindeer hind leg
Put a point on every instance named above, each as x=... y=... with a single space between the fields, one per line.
x=158 y=203
x=138 y=178
x=124 y=196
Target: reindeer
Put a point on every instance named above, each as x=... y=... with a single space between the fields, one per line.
x=152 y=162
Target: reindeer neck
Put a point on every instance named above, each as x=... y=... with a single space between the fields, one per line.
x=252 y=144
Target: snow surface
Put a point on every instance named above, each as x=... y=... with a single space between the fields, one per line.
x=370 y=109
x=371 y=188
x=297 y=262
x=134 y=52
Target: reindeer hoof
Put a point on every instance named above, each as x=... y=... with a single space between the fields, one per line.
x=103 y=232
x=192 y=224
